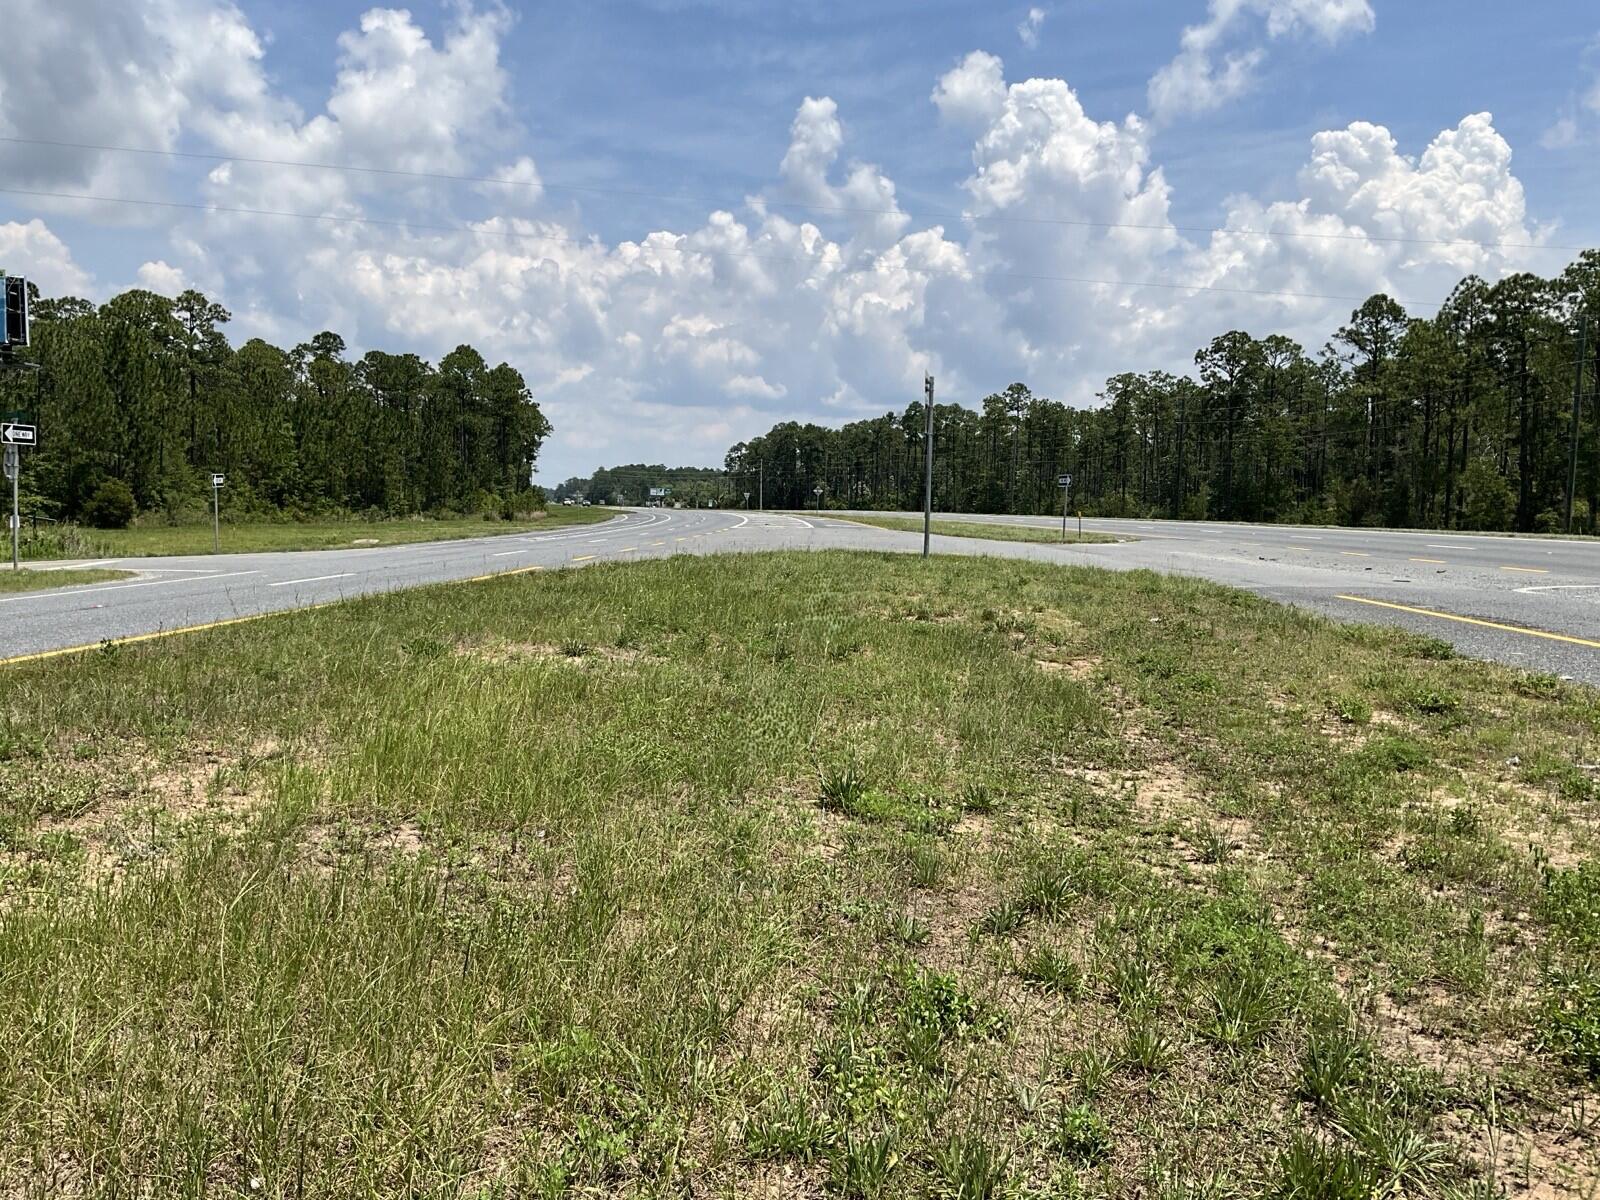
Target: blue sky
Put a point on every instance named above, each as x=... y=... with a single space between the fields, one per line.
x=658 y=294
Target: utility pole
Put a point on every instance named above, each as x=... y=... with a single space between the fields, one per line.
x=1577 y=408
x=761 y=485
x=927 y=484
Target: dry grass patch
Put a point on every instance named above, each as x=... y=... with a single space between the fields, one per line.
x=575 y=654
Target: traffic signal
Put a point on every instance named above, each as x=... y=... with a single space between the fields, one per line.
x=16 y=328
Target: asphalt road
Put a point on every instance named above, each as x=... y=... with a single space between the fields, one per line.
x=1532 y=602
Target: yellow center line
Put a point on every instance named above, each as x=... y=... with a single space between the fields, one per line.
x=1440 y=561
x=1355 y=554
x=1444 y=616
x=1527 y=570
x=1307 y=549
x=581 y=558
x=658 y=543
x=627 y=550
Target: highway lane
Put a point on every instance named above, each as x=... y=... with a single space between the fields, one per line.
x=1531 y=602
x=182 y=592
x=1459 y=587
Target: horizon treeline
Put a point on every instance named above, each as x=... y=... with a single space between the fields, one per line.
x=1459 y=420
x=148 y=391
x=631 y=484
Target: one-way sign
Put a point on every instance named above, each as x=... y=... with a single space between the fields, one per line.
x=1064 y=481
x=218 y=480
x=19 y=435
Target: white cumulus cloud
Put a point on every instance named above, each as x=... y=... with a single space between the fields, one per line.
x=31 y=250
x=1214 y=65
x=1028 y=29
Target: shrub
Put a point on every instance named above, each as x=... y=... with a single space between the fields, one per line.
x=1081 y=1135
x=111 y=506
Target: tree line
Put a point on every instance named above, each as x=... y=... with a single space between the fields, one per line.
x=631 y=484
x=1459 y=420
x=145 y=396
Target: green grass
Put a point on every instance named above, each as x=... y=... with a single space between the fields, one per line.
x=831 y=874
x=993 y=530
x=31 y=579
x=157 y=539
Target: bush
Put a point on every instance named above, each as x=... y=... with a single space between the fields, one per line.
x=111 y=506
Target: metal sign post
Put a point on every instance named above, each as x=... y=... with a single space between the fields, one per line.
x=817 y=492
x=13 y=435
x=927 y=482
x=216 y=518
x=13 y=470
x=1065 y=484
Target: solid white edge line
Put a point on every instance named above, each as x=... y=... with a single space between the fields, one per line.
x=85 y=566
x=48 y=594
x=313 y=579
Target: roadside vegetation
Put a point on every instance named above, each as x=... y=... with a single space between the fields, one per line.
x=31 y=580
x=139 y=400
x=989 y=529
x=154 y=537
x=799 y=875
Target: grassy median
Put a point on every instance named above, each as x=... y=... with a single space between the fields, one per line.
x=154 y=538
x=798 y=875
x=993 y=530
x=31 y=579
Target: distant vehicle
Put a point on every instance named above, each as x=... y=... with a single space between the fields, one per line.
x=585 y=503
x=569 y=502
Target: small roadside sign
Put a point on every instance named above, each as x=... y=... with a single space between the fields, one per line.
x=1064 y=481
x=19 y=435
x=660 y=491
x=218 y=480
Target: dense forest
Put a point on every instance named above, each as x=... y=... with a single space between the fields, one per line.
x=143 y=397
x=1460 y=420
x=631 y=484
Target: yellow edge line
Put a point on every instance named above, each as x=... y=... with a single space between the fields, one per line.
x=495 y=575
x=1527 y=570
x=166 y=633
x=161 y=633
x=1444 y=616
x=1439 y=561
x=581 y=558
x=1355 y=554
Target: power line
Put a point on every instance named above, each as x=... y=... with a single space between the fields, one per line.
x=514 y=235
x=840 y=209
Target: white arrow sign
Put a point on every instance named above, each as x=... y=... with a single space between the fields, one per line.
x=19 y=435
